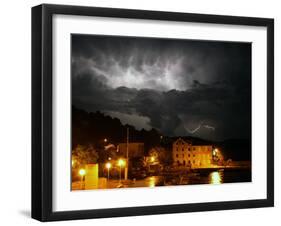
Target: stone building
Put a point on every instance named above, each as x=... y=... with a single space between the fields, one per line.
x=194 y=156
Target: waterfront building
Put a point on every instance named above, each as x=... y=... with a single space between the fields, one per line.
x=193 y=156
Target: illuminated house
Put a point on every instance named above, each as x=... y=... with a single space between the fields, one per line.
x=194 y=156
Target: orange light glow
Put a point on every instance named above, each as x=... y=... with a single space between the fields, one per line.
x=121 y=162
x=108 y=165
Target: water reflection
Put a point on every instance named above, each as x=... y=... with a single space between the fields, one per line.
x=210 y=177
x=215 y=178
x=152 y=182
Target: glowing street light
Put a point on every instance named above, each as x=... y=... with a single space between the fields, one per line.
x=105 y=140
x=121 y=163
x=215 y=151
x=151 y=161
x=82 y=173
x=108 y=166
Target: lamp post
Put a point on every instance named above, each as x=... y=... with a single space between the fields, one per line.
x=121 y=163
x=150 y=162
x=82 y=173
x=127 y=156
x=108 y=166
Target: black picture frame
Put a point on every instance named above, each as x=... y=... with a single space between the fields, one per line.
x=42 y=197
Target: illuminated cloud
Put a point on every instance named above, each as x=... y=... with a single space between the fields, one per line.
x=176 y=86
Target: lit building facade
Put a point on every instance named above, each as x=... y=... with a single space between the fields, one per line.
x=194 y=156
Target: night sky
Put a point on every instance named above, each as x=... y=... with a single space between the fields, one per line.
x=179 y=87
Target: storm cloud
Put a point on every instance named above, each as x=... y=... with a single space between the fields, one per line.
x=179 y=87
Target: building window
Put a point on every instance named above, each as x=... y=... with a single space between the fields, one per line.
x=188 y=155
x=183 y=155
x=194 y=161
x=184 y=162
x=177 y=155
x=193 y=148
x=182 y=149
x=193 y=155
x=189 y=149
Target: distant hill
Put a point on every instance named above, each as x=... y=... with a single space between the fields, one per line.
x=93 y=127
x=236 y=149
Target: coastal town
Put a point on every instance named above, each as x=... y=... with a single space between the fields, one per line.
x=151 y=112
x=175 y=161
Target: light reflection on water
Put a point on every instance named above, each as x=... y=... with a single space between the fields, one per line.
x=215 y=178
x=152 y=181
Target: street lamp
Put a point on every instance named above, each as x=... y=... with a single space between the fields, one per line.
x=108 y=166
x=121 y=163
x=82 y=173
x=151 y=160
x=215 y=151
x=105 y=140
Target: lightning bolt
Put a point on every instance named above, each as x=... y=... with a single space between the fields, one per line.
x=194 y=130
x=199 y=127
x=209 y=127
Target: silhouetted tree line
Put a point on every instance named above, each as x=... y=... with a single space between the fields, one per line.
x=91 y=128
x=236 y=149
